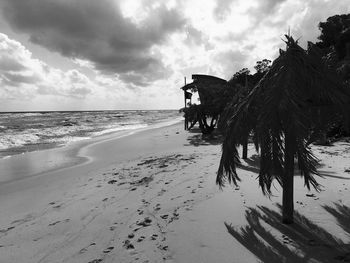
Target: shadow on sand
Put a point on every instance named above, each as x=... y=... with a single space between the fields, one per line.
x=198 y=139
x=252 y=164
x=303 y=241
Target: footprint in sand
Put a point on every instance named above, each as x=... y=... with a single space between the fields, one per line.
x=55 y=223
x=161 y=192
x=164 y=216
x=140 y=239
x=8 y=229
x=146 y=222
x=154 y=237
x=107 y=250
x=157 y=208
x=310 y=195
x=83 y=250
x=128 y=245
x=144 y=201
x=140 y=212
x=163 y=247
x=112 y=181
x=27 y=218
x=286 y=239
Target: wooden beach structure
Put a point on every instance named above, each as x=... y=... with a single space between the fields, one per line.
x=209 y=88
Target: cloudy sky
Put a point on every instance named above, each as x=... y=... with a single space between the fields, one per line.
x=134 y=54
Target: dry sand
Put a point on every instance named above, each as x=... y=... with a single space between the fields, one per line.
x=151 y=197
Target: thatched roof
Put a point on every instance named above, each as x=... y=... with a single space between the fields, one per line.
x=298 y=85
x=208 y=87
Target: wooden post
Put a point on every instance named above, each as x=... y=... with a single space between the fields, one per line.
x=245 y=149
x=186 y=123
x=245 y=144
x=288 y=180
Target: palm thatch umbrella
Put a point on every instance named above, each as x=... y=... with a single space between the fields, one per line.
x=280 y=111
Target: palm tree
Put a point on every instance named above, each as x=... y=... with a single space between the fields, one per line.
x=280 y=113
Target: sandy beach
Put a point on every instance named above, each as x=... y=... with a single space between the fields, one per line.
x=151 y=197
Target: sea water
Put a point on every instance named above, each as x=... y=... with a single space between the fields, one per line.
x=22 y=132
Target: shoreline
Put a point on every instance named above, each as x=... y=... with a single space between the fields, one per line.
x=57 y=158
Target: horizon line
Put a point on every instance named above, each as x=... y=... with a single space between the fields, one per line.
x=39 y=111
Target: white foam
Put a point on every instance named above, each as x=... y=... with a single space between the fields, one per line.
x=120 y=128
x=67 y=139
x=17 y=140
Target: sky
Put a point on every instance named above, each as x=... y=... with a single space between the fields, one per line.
x=134 y=54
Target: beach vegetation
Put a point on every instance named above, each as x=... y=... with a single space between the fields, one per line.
x=282 y=114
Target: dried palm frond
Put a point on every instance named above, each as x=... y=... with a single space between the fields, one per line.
x=284 y=101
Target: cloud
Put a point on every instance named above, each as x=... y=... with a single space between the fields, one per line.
x=265 y=9
x=96 y=31
x=24 y=77
x=222 y=9
x=228 y=62
x=16 y=79
x=130 y=49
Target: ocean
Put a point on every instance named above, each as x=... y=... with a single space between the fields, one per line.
x=22 y=132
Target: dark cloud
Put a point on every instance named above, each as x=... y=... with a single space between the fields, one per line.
x=141 y=79
x=195 y=37
x=16 y=79
x=268 y=7
x=95 y=31
x=7 y=63
x=231 y=61
x=78 y=92
x=264 y=10
x=222 y=9
x=71 y=91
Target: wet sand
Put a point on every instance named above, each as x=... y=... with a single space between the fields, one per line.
x=151 y=197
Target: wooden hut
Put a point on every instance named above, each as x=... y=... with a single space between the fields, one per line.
x=209 y=88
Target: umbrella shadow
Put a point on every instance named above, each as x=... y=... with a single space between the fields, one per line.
x=303 y=241
x=198 y=139
x=332 y=175
x=252 y=164
x=342 y=214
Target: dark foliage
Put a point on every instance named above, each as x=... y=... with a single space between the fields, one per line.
x=335 y=32
x=284 y=101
